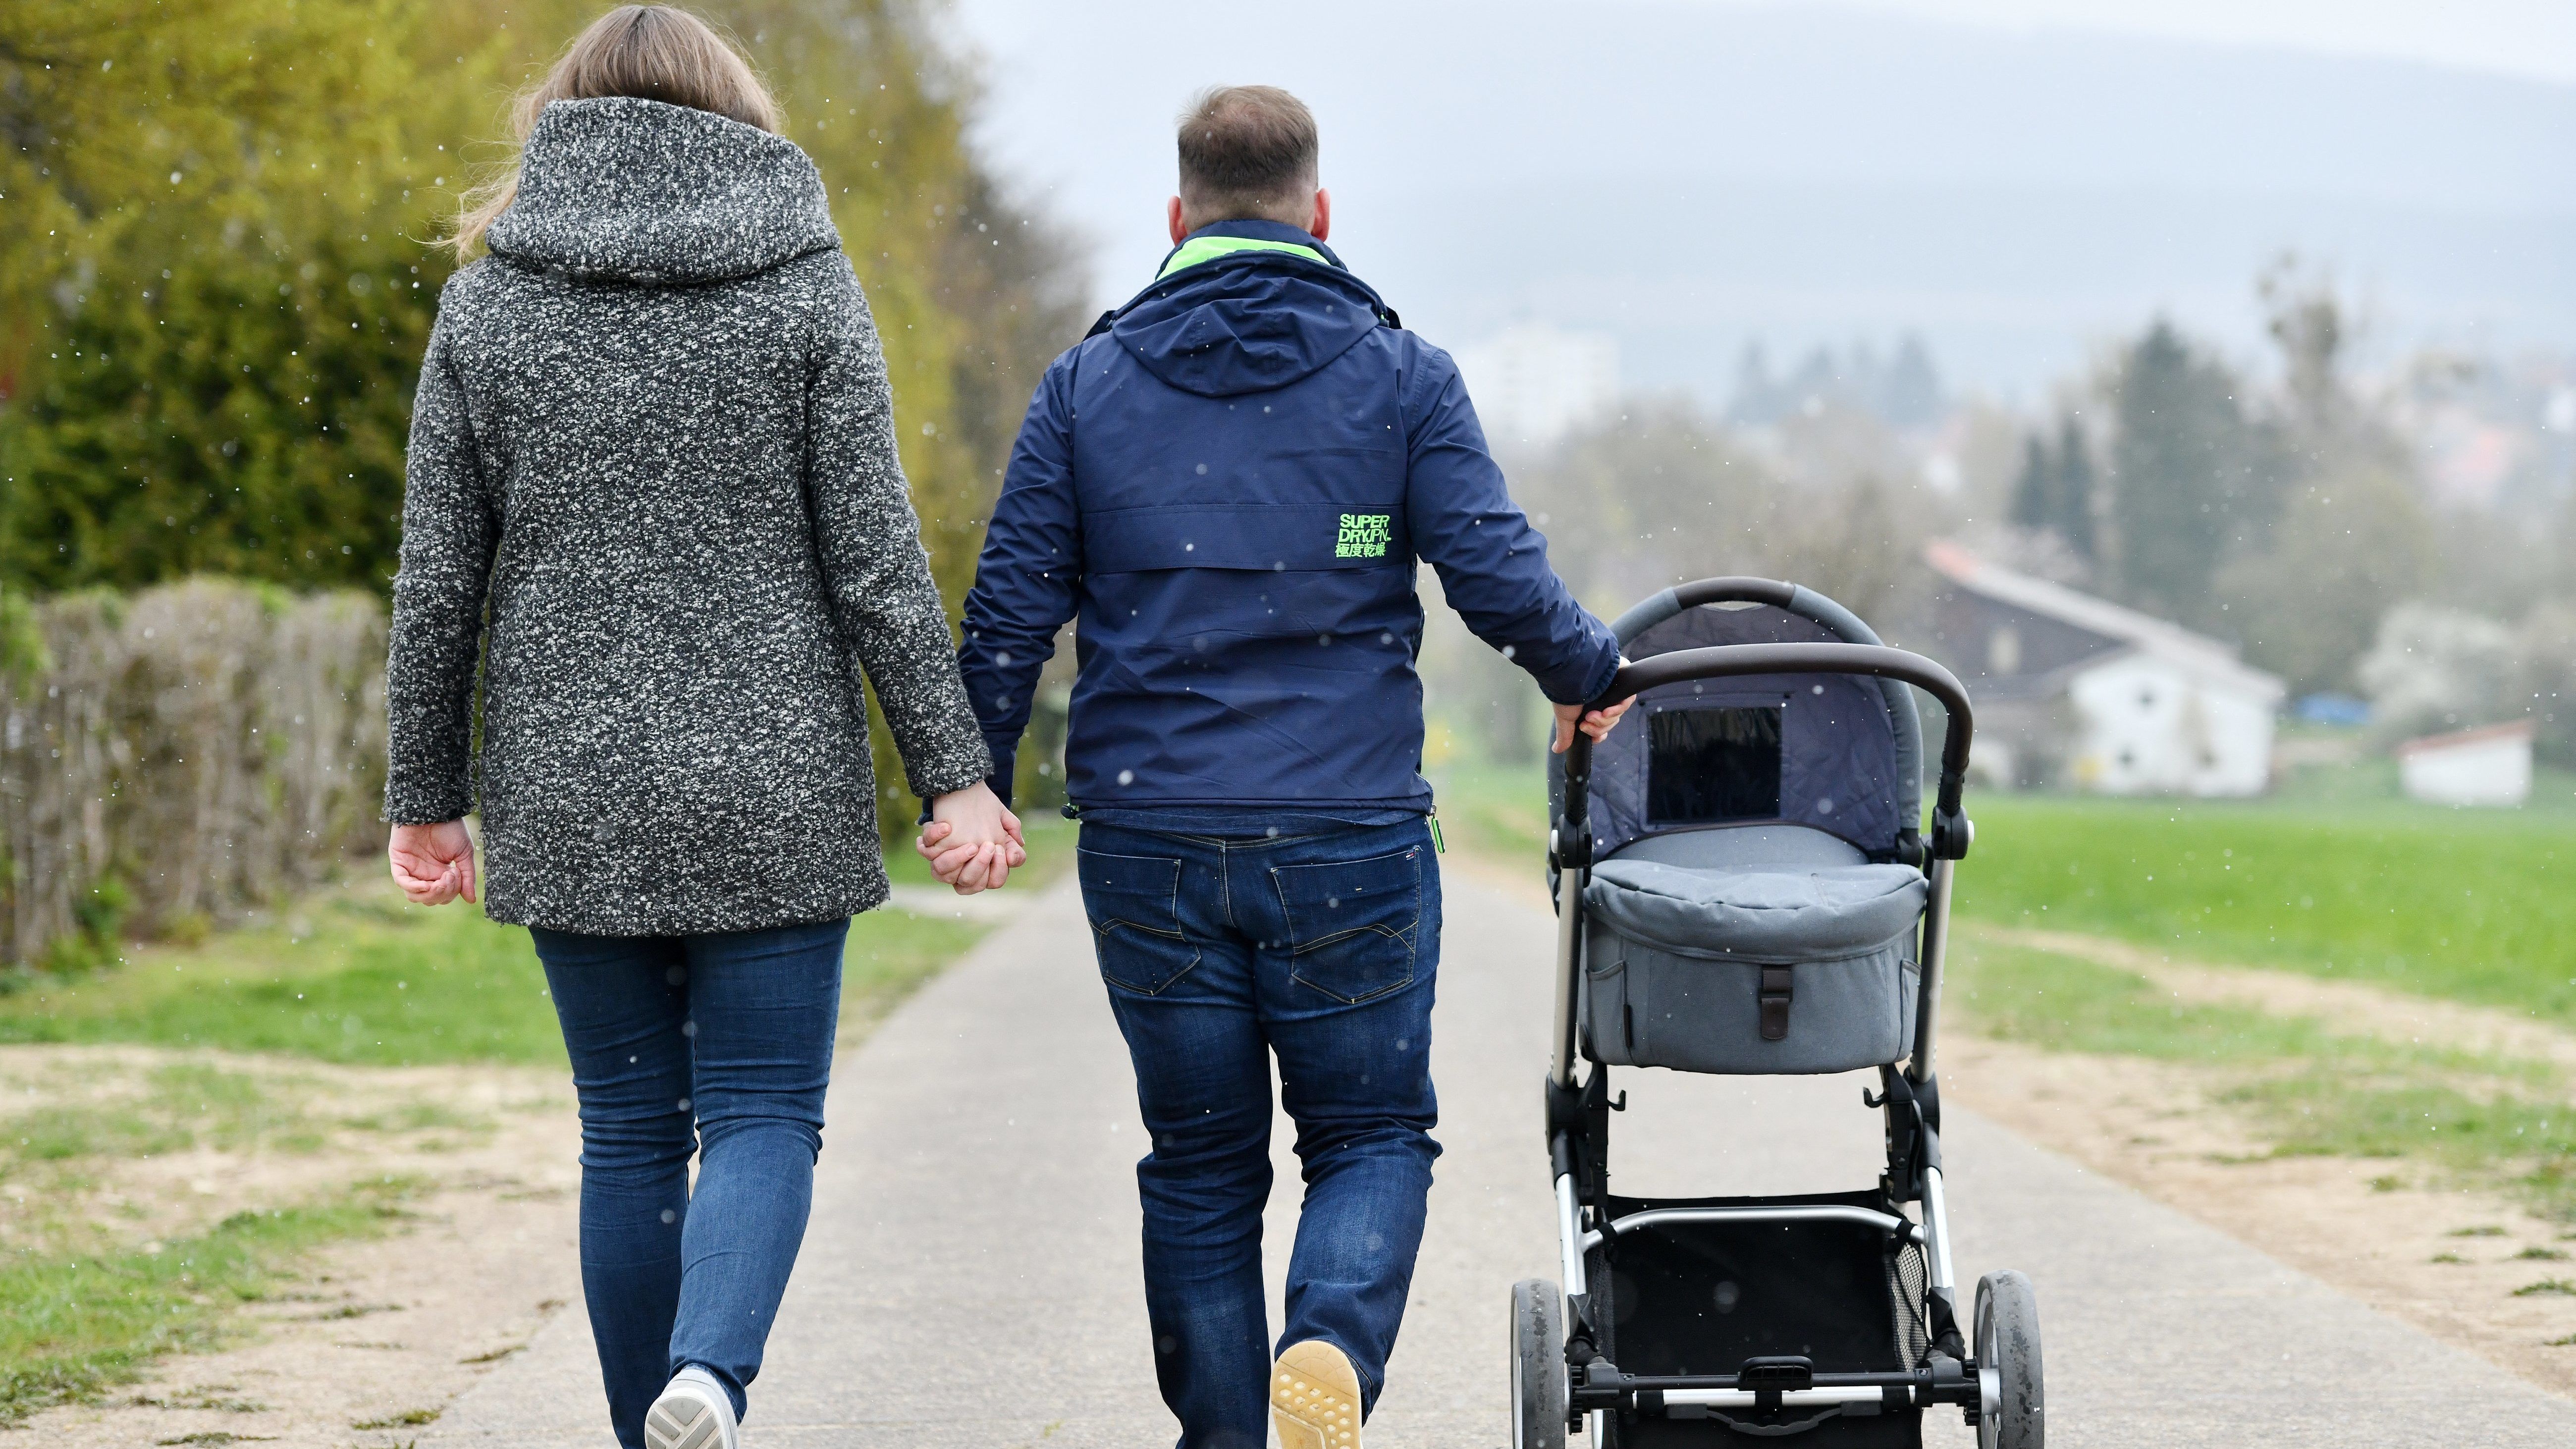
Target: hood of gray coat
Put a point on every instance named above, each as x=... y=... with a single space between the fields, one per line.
x=644 y=191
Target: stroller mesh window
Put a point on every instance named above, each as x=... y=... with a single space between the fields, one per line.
x=1712 y=764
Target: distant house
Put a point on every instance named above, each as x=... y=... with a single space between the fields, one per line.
x=2074 y=690
x=2490 y=766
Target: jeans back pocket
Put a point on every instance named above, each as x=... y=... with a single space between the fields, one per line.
x=1134 y=905
x=1352 y=924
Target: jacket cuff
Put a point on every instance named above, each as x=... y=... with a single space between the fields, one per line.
x=1595 y=684
x=426 y=807
x=999 y=780
x=954 y=773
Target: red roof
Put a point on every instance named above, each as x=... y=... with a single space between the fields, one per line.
x=2518 y=729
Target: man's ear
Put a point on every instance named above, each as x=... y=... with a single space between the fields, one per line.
x=1321 y=228
x=1172 y=214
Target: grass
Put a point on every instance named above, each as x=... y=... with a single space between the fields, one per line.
x=891 y=953
x=2478 y=906
x=357 y=976
x=182 y=1105
x=75 y=1325
x=354 y=976
x=1494 y=810
x=2307 y=1089
x=2335 y=879
x=349 y=976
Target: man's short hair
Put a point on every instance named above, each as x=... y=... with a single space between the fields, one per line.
x=1248 y=151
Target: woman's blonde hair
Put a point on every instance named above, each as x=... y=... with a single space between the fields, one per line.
x=658 y=52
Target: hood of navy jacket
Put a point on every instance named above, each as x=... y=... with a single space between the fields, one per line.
x=1263 y=458
x=1251 y=320
x=619 y=187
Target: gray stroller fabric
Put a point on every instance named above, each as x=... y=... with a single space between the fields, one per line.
x=1677 y=961
x=1756 y=915
x=1734 y=847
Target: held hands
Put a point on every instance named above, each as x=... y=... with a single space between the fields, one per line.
x=434 y=864
x=973 y=840
x=1570 y=717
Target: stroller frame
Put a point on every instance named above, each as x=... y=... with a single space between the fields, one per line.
x=1765 y=1396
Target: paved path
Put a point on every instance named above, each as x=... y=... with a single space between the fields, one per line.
x=970 y=1279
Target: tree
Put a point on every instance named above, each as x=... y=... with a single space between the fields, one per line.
x=1910 y=391
x=2355 y=537
x=247 y=416
x=1756 y=398
x=2055 y=489
x=2546 y=682
x=2306 y=321
x=223 y=271
x=216 y=307
x=2434 y=669
x=2346 y=551
x=2193 y=477
x=2034 y=495
x=218 y=265
x=118 y=114
x=2076 y=490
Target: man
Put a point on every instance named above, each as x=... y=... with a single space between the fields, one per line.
x=1229 y=483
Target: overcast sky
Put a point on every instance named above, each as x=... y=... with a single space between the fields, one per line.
x=2018 y=180
x=2534 y=38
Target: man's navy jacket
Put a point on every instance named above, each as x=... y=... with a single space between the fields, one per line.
x=1229 y=485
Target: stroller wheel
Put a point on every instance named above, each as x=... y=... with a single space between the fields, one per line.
x=2008 y=1364
x=1538 y=1365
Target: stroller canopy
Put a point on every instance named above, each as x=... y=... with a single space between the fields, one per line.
x=1837 y=753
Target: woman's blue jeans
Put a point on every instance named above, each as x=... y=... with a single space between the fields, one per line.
x=719 y=1045
x=1316 y=943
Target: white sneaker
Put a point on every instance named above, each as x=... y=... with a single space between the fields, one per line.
x=1315 y=1398
x=693 y=1412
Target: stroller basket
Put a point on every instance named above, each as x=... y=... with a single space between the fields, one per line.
x=1684 y=1293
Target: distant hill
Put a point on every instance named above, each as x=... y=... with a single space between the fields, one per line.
x=1689 y=177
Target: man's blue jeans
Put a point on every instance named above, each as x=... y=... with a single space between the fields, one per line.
x=1317 y=944
x=721 y=1044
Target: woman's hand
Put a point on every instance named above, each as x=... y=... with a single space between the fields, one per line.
x=973 y=840
x=434 y=864
x=1570 y=717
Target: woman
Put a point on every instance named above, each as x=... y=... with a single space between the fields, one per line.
x=653 y=437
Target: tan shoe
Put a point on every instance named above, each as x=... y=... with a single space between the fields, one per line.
x=1315 y=1398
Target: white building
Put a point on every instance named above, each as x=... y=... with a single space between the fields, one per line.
x=2490 y=766
x=2071 y=689
x=1534 y=383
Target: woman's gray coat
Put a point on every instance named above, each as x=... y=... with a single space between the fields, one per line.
x=654 y=431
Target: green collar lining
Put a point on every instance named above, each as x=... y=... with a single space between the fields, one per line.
x=1208 y=248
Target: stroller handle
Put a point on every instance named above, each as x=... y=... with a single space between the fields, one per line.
x=1735 y=589
x=1949 y=828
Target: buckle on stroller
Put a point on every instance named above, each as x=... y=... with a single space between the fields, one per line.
x=1774 y=999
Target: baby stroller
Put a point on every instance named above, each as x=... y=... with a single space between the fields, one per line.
x=1742 y=888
